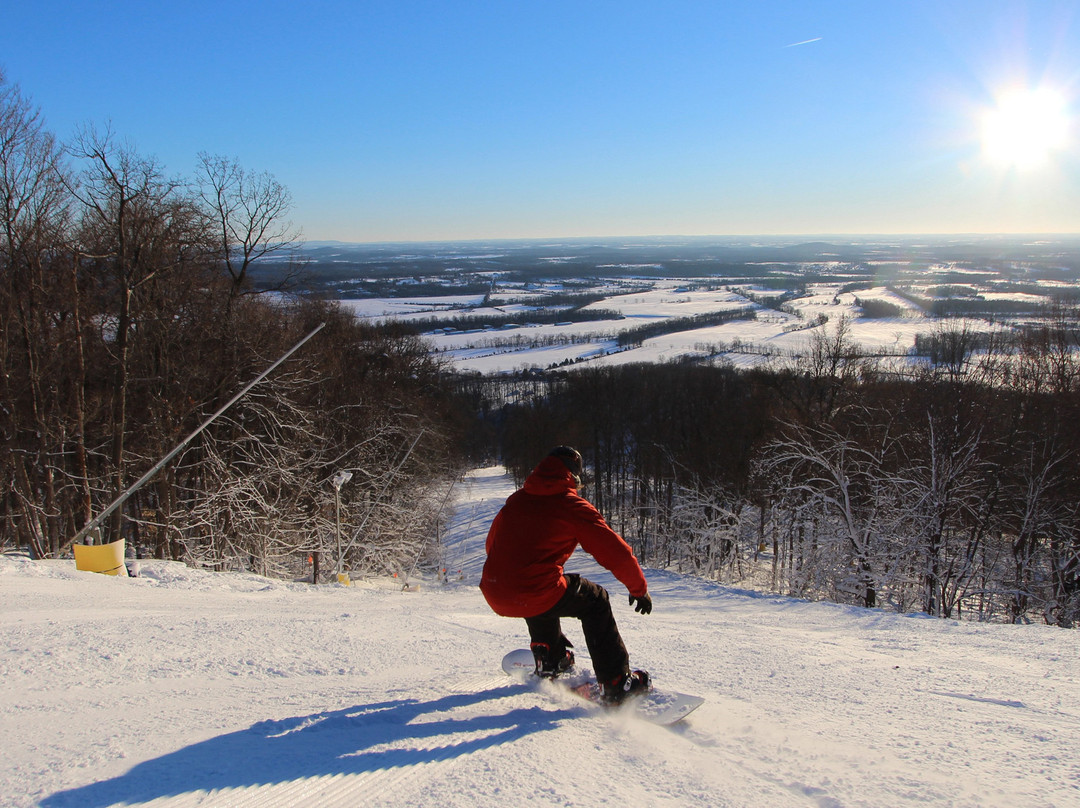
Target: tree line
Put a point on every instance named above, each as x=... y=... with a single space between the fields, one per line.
x=952 y=491
x=127 y=317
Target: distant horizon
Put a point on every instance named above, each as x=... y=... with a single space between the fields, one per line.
x=652 y=236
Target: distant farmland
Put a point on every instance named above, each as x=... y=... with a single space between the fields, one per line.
x=502 y=307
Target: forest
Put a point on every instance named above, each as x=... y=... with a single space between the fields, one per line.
x=128 y=315
x=952 y=492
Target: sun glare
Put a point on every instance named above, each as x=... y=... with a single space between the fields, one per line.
x=1025 y=128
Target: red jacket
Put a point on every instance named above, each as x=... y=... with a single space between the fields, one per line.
x=535 y=533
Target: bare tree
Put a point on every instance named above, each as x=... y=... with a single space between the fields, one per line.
x=1048 y=359
x=846 y=506
x=249 y=213
x=252 y=506
x=35 y=321
x=1043 y=514
x=32 y=194
x=827 y=373
x=708 y=531
x=947 y=475
x=137 y=226
x=260 y=497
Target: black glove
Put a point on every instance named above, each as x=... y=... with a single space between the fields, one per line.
x=644 y=603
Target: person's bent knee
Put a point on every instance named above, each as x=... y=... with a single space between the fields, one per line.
x=594 y=596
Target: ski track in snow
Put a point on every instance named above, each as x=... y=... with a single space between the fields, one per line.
x=187 y=688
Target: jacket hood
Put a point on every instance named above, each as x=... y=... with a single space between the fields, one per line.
x=551 y=476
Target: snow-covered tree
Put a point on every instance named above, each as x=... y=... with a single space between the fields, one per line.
x=839 y=508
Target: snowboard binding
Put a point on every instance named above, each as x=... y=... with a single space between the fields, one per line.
x=549 y=665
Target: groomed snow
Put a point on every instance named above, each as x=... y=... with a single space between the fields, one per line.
x=185 y=688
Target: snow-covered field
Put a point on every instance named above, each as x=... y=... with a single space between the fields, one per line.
x=184 y=688
x=775 y=337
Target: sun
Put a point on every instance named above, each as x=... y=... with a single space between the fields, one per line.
x=1025 y=127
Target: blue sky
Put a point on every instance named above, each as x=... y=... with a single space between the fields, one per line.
x=406 y=120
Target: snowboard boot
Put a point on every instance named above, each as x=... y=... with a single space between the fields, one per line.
x=626 y=686
x=546 y=666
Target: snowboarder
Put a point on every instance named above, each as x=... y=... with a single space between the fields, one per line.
x=529 y=541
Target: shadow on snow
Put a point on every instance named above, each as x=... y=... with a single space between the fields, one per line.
x=348 y=741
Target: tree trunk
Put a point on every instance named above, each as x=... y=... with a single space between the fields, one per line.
x=119 y=418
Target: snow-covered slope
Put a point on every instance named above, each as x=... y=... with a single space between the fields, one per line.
x=184 y=688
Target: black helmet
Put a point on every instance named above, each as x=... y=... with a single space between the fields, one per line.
x=570 y=457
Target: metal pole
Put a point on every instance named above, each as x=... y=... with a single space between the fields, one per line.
x=337 y=509
x=120 y=500
x=337 y=481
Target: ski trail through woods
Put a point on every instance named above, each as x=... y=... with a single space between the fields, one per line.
x=189 y=688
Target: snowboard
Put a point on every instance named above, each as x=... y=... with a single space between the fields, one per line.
x=656 y=705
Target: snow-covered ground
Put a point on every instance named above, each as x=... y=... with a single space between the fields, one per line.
x=185 y=688
x=775 y=337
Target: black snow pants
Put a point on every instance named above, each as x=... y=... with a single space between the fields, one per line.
x=589 y=603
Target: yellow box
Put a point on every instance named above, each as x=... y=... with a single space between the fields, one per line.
x=104 y=558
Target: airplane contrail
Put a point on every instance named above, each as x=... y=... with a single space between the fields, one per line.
x=804 y=42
